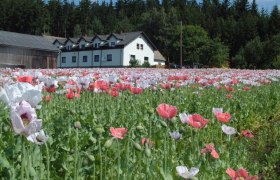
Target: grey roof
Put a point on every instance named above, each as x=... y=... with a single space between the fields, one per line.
x=125 y=38
x=158 y=56
x=101 y=37
x=25 y=41
x=86 y=38
x=52 y=39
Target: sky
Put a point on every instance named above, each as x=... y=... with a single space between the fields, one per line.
x=266 y=4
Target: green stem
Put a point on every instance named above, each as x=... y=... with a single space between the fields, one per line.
x=22 y=157
x=100 y=155
x=48 y=161
x=165 y=155
x=76 y=155
x=119 y=159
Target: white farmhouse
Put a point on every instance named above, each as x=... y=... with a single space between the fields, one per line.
x=114 y=50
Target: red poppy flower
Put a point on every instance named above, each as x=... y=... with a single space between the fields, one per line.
x=70 y=94
x=229 y=96
x=240 y=173
x=118 y=133
x=247 y=133
x=197 y=121
x=27 y=79
x=146 y=140
x=135 y=90
x=228 y=88
x=50 y=89
x=245 y=88
x=114 y=93
x=167 y=111
x=210 y=148
x=166 y=86
x=223 y=117
x=48 y=98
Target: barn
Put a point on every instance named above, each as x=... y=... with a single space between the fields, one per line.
x=26 y=51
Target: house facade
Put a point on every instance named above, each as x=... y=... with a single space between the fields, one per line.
x=114 y=50
x=26 y=51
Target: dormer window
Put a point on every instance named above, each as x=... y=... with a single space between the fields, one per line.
x=137 y=46
x=69 y=47
x=113 y=44
x=96 y=45
x=83 y=46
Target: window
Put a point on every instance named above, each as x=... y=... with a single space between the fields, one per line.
x=73 y=59
x=137 y=46
x=69 y=47
x=83 y=46
x=84 y=58
x=113 y=44
x=141 y=46
x=96 y=45
x=146 y=59
x=109 y=57
x=132 y=57
x=96 y=58
x=63 y=60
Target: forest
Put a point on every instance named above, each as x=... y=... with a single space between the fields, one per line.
x=215 y=33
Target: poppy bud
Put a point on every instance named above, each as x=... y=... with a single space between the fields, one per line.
x=108 y=143
x=148 y=151
x=163 y=123
x=77 y=125
x=137 y=146
x=99 y=130
x=40 y=138
x=92 y=139
x=151 y=110
x=91 y=157
x=139 y=127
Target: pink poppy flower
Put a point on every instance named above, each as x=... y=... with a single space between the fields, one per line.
x=240 y=174
x=247 y=133
x=210 y=148
x=167 y=111
x=197 y=121
x=223 y=117
x=118 y=133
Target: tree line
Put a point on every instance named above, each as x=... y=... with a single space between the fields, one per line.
x=216 y=33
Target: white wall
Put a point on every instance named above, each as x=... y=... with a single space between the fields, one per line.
x=68 y=56
x=116 y=58
x=131 y=49
x=89 y=59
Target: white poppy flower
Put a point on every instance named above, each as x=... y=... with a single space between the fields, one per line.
x=24 y=119
x=185 y=173
x=228 y=130
x=184 y=118
x=38 y=137
x=217 y=110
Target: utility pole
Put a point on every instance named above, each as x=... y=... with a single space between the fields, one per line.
x=181 y=49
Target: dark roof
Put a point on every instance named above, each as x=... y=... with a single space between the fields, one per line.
x=73 y=40
x=125 y=38
x=101 y=37
x=25 y=41
x=86 y=38
x=128 y=37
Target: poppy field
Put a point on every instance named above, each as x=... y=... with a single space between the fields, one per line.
x=139 y=124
